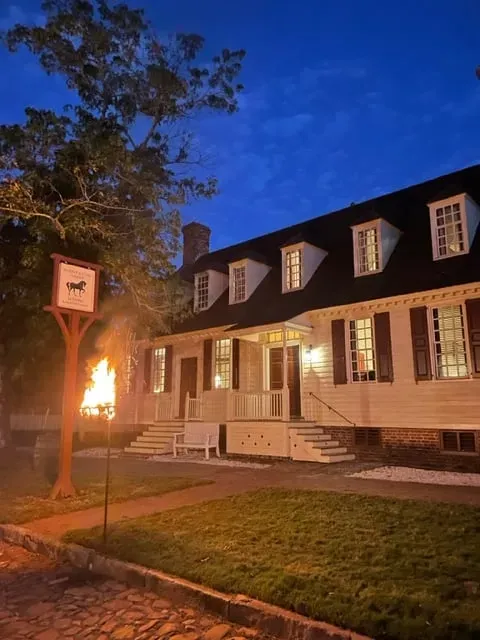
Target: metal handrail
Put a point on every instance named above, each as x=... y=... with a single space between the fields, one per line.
x=330 y=408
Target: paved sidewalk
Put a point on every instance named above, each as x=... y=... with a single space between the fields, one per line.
x=42 y=600
x=233 y=481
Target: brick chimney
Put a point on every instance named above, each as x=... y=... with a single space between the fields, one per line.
x=196 y=242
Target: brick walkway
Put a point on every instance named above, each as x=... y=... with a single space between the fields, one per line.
x=231 y=481
x=43 y=601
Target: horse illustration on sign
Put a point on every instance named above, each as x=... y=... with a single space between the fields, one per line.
x=76 y=286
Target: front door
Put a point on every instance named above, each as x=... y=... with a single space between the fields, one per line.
x=188 y=382
x=293 y=375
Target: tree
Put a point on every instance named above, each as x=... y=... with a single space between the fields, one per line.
x=104 y=178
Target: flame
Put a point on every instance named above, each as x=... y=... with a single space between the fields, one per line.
x=100 y=391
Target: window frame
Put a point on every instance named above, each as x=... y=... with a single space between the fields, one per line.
x=357 y=229
x=458 y=451
x=159 y=371
x=459 y=199
x=233 y=266
x=285 y=251
x=349 y=352
x=431 y=339
x=216 y=361
x=197 y=298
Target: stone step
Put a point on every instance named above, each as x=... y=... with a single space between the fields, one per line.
x=331 y=450
x=314 y=431
x=329 y=459
x=326 y=444
x=141 y=445
x=175 y=428
x=151 y=438
x=151 y=452
x=319 y=437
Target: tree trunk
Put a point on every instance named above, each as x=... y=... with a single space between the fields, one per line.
x=5 y=433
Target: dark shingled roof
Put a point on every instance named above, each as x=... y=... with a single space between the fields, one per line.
x=410 y=269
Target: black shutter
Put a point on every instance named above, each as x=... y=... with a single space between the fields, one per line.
x=207 y=364
x=147 y=370
x=473 y=321
x=168 y=367
x=383 y=347
x=339 y=355
x=420 y=343
x=235 y=363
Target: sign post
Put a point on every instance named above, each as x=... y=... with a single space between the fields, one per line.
x=74 y=295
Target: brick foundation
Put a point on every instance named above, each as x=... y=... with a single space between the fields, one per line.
x=408 y=447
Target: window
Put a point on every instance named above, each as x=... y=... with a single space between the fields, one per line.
x=222 y=364
x=367 y=250
x=130 y=375
x=449 y=342
x=459 y=441
x=293 y=269
x=362 y=353
x=449 y=230
x=239 y=284
x=277 y=336
x=201 y=291
x=158 y=370
x=367 y=437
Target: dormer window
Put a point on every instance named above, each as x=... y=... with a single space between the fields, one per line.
x=368 y=254
x=299 y=263
x=239 y=283
x=373 y=244
x=293 y=269
x=201 y=291
x=453 y=223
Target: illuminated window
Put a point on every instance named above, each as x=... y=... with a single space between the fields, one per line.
x=362 y=352
x=239 y=284
x=201 y=291
x=449 y=342
x=222 y=364
x=367 y=250
x=277 y=336
x=450 y=235
x=158 y=370
x=293 y=269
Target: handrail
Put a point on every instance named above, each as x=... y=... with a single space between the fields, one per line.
x=330 y=408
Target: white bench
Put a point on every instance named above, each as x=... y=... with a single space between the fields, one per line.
x=198 y=435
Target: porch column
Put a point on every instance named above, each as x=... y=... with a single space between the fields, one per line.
x=285 y=393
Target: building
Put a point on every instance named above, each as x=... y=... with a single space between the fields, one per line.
x=356 y=332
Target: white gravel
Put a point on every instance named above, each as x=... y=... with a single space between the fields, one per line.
x=199 y=459
x=97 y=452
x=423 y=476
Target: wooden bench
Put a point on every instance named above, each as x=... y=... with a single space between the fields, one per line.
x=198 y=435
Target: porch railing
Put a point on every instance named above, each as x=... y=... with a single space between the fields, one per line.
x=193 y=408
x=262 y=405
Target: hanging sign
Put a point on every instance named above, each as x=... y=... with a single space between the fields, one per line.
x=76 y=287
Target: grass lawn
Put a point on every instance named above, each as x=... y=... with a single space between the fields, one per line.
x=389 y=568
x=24 y=492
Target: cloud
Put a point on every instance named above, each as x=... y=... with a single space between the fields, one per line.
x=287 y=126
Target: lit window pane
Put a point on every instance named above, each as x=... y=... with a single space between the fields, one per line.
x=362 y=353
x=222 y=364
x=293 y=269
x=201 y=291
x=239 y=284
x=368 y=254
x=158 y=370
x=449 y=342
x=450 y=239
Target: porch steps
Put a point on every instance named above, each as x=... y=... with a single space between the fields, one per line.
x=156 y=440
x=310 y=443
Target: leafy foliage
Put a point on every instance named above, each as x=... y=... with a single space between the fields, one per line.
x=104 y=179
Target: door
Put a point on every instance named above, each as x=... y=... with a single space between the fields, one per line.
x=188 y=382
x=293 y=375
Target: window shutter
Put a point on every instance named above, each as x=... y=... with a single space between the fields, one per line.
x=207 y=364
x=473 y=323
x=235 y=363
x=168 y=367
x=147 y=370
x=420 y=343
x=339 y=355
x=383 y=347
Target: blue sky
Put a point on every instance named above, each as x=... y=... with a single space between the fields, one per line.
x=344 y=100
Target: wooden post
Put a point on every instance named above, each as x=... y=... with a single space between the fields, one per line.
x=187 y=406
x=285 y=391
x=81 y=300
